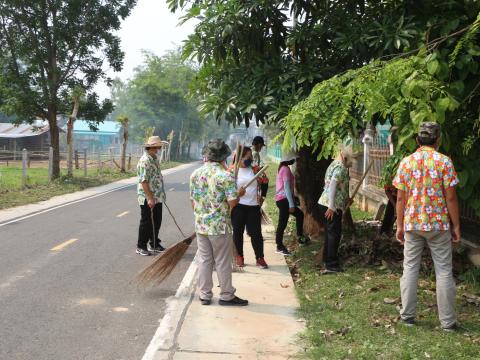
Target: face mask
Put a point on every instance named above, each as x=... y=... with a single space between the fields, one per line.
x=247 y=162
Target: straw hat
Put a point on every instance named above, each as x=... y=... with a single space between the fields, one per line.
x=154 y=142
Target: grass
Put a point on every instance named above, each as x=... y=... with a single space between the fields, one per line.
x=38 y=188
x=354 y=315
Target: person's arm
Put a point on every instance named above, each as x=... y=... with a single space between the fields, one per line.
x=332 y=191
x=288 y=194
x=400 y=208
x=453 y=212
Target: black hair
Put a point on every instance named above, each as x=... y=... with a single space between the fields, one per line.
x=246 y=149
x=426 y=141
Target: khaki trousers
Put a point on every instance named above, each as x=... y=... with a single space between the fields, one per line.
x=215 y=249
x=440 y=244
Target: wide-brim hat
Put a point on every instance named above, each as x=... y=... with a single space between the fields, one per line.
x=154 y=142
x=216 y=150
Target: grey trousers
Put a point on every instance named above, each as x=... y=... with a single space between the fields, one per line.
x=215 y=249
x=440 y=244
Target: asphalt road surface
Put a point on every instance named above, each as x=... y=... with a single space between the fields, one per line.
x=67 y=287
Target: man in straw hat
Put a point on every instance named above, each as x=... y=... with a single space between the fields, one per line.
x=427 y=213
x=214 y=194
x=332 y=202
x=151 y=194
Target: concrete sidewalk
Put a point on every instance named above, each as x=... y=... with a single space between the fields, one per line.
x=265 y=329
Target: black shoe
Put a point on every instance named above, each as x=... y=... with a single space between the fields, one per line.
x=451 y=328
x=408 y=322
x=283 y=251
x=157 y=249
x=236 y=301
x=332 y=270
x=143 y=252
x=205 y=301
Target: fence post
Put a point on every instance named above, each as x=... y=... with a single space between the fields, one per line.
x=50 y=163
x=85 y=162
x=367 y=143
x=77 y=165
x=129 y=161
x=99 y=158
x=111 y=156
x=24 y=167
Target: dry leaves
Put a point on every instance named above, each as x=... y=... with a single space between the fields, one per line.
x=472 y=299
x=284 y=285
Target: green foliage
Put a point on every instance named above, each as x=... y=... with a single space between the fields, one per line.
x=409 y=91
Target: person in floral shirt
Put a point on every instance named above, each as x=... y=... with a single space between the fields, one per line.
x=213 y=194
x=427 y=213
x=150 y=195
x=332 y=202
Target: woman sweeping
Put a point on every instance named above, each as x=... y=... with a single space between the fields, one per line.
x=247 y=213
x=284 y=197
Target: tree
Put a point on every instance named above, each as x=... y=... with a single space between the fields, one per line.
x=255 y=60
x=51 y=47
x=76 y=98
x=123 y=120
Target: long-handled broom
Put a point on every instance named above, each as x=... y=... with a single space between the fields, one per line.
x=162 y=266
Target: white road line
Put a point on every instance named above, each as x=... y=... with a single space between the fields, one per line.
x=164 y=338
x=166 y=172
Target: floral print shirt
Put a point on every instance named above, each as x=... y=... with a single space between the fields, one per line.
x=148 y=169
x=211 y=187
x=339 y=173
x=424 y=176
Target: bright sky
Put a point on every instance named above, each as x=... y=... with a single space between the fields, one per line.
x=150 y=26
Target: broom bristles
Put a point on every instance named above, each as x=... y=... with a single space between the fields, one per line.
x=162 y=266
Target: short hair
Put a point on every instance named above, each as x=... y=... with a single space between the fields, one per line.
x=428 y=141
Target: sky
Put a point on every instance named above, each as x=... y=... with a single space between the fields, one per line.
x=150 y=26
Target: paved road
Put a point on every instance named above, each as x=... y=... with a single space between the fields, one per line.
x=78 y=301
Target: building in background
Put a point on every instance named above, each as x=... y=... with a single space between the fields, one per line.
x=33 y=137
x=106 y=136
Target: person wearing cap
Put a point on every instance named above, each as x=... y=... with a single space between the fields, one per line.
x=427 y=214
x=214 y=194
x=285 y=200
x=257 y=144
x=334 y=199
x=151 y=194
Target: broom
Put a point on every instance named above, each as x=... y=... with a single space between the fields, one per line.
x=163 y=265
x=236 y=167
x=319 y=259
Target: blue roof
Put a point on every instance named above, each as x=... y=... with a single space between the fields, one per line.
x=111 y=127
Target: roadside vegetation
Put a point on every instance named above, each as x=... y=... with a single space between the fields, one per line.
x=354 y=315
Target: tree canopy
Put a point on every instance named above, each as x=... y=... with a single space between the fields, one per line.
x=51 y=47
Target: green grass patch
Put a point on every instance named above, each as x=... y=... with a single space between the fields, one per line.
x=38 y=188
x=355 y=315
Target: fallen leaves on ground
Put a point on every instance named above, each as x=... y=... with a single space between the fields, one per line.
x=472 y=299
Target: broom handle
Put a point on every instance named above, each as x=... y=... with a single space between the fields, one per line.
x=174 y=220
x=153 y=228
x=257 y=175
x=358 y=185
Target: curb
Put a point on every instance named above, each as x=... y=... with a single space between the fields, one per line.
x=164 y=343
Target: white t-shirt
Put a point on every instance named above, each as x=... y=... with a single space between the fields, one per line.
x=250 y=197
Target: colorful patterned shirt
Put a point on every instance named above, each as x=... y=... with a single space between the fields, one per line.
x=148 y=169
x=211 y=187
x=339 y=173
x=424 y=176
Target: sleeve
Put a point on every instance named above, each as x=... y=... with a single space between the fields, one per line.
x=230 y=188
x=288 y=193
x=450 y=177
x=192 y=187
x=331 y=194
x=399 y=180
x=142 y=172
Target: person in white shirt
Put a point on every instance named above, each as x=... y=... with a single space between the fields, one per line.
x=247 y=213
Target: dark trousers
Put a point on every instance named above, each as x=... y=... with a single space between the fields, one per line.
x=249 y=217
x=283 y=216
x=145 y=228
x=264 y=189
x=333 y=234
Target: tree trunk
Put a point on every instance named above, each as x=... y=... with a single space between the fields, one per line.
x=189 y=148
x=71 y=121
x=54 y=139
x=309 y=183
x=124 y=147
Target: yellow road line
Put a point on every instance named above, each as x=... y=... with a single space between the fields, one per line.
x=123 y=214
x=62 y=245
